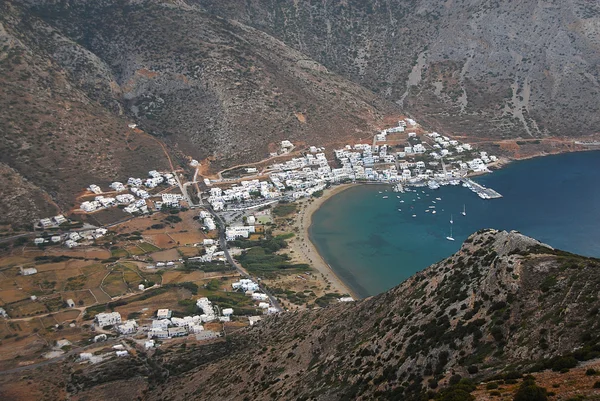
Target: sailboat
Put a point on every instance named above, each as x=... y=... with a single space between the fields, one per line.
x=450 y=238
x=451 y=221
x=464 y=212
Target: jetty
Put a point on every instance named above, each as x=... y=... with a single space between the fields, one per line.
x=483 y=192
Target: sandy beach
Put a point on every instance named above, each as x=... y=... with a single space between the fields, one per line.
x=304 y=247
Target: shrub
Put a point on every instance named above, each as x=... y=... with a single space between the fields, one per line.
x=529 y=391
x=564 y=362
x=597 y=384
x=472 y=369
x=491 y=386
x=590 y=372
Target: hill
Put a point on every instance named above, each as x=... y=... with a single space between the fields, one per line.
x=502 y=306
x=76 y=72
x=489 y=69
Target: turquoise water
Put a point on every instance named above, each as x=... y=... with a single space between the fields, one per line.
x=372 y=246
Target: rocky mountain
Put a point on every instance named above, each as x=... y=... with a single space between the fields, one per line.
x=486 y=68
x=503 y=304
x=75 y=72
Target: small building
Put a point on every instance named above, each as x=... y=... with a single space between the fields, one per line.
x=177 y=331
x=100 y=337
x=227 y=312
x=85 y=356
x=28 y=271
x=149 y=344
x=207 y=335
x=254 y=319
x=257 y=296
x=70 y=303
x=128 y=327
x=107 y=319
x=164 y=314
x=141 y=287
x=122 y=353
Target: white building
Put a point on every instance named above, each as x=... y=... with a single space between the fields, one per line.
x=107 y=319
x=163 y=313
x=28 y=271
x=245 y=284
x=257 y=296
x=128 y=327
x=95 y=189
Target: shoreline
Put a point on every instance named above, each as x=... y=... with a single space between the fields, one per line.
x=309 y=250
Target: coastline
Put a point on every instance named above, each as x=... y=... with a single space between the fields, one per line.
x=309 y=251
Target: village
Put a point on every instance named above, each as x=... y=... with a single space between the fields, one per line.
x=195 y=268
x=402 y=156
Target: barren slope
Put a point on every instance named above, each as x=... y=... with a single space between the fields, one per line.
x=487 y=68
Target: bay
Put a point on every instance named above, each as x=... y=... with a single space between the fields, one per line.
x=373 y=246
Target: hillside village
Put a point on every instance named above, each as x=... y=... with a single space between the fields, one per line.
x=200 y=253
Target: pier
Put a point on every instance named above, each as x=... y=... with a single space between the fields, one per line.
x=483 y=192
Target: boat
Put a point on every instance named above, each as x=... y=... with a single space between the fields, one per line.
x=414 y=215
x=398 y=196
x=398 y=188
x=433 y=212
x=450 y=238
x=427 y=211
x=438 y=198
x=464 y=212
x=399 y=210
x=433 y=202
x=432 y=184
x=432 y=207
x=401 y=201
x=451 y=221
x=385 y=197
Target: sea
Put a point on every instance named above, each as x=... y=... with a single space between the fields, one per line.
x=374 y=243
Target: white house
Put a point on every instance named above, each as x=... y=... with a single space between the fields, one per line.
x=70 y=243
x=257 y=296
x=128 y=327
x=163 y=313
x=117 y=186
x=100 y=337
x=95 y=189
x=59 y=219
x=227 y=312
x=107 y=319
x=28 y=271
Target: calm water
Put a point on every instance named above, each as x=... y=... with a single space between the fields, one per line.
x=372 y=246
